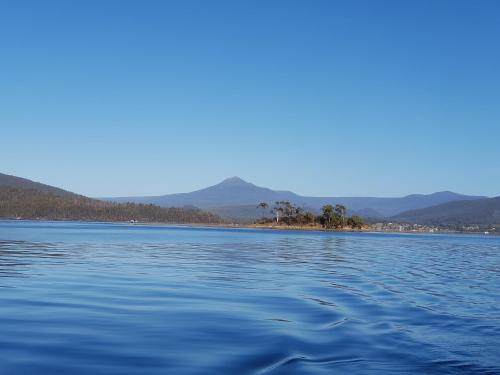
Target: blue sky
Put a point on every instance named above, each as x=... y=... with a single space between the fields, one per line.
x=339 y=98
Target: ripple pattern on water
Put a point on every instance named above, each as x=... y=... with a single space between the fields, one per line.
x=89 y=298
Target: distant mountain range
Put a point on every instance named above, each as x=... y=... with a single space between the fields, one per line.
x=237 y=198
x=479 y=211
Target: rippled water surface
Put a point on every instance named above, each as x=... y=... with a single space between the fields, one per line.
x=81 y=298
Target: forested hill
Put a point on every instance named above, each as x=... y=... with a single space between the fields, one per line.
x=481 y=211
x=24 y=183
x=35 y=204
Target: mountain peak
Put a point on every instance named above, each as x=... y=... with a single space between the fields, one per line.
x=446 y=192
x=235 y=180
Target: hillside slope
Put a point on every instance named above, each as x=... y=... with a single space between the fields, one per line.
x=34 y=204
x=24 y=183
x=481 y=211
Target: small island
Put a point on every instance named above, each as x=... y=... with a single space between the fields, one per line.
x=287 y=215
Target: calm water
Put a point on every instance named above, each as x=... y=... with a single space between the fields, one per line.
x=80 y=298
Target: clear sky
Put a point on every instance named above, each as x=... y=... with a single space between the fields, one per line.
x=338 y=98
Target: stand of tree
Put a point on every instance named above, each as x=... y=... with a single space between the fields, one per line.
x=35 y=204
x=332 y=217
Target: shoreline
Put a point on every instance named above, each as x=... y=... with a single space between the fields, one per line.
x=293 y=228
x=315 y=228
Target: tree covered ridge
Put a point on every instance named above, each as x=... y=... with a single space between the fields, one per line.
x=34 y=204
x=332 y=217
